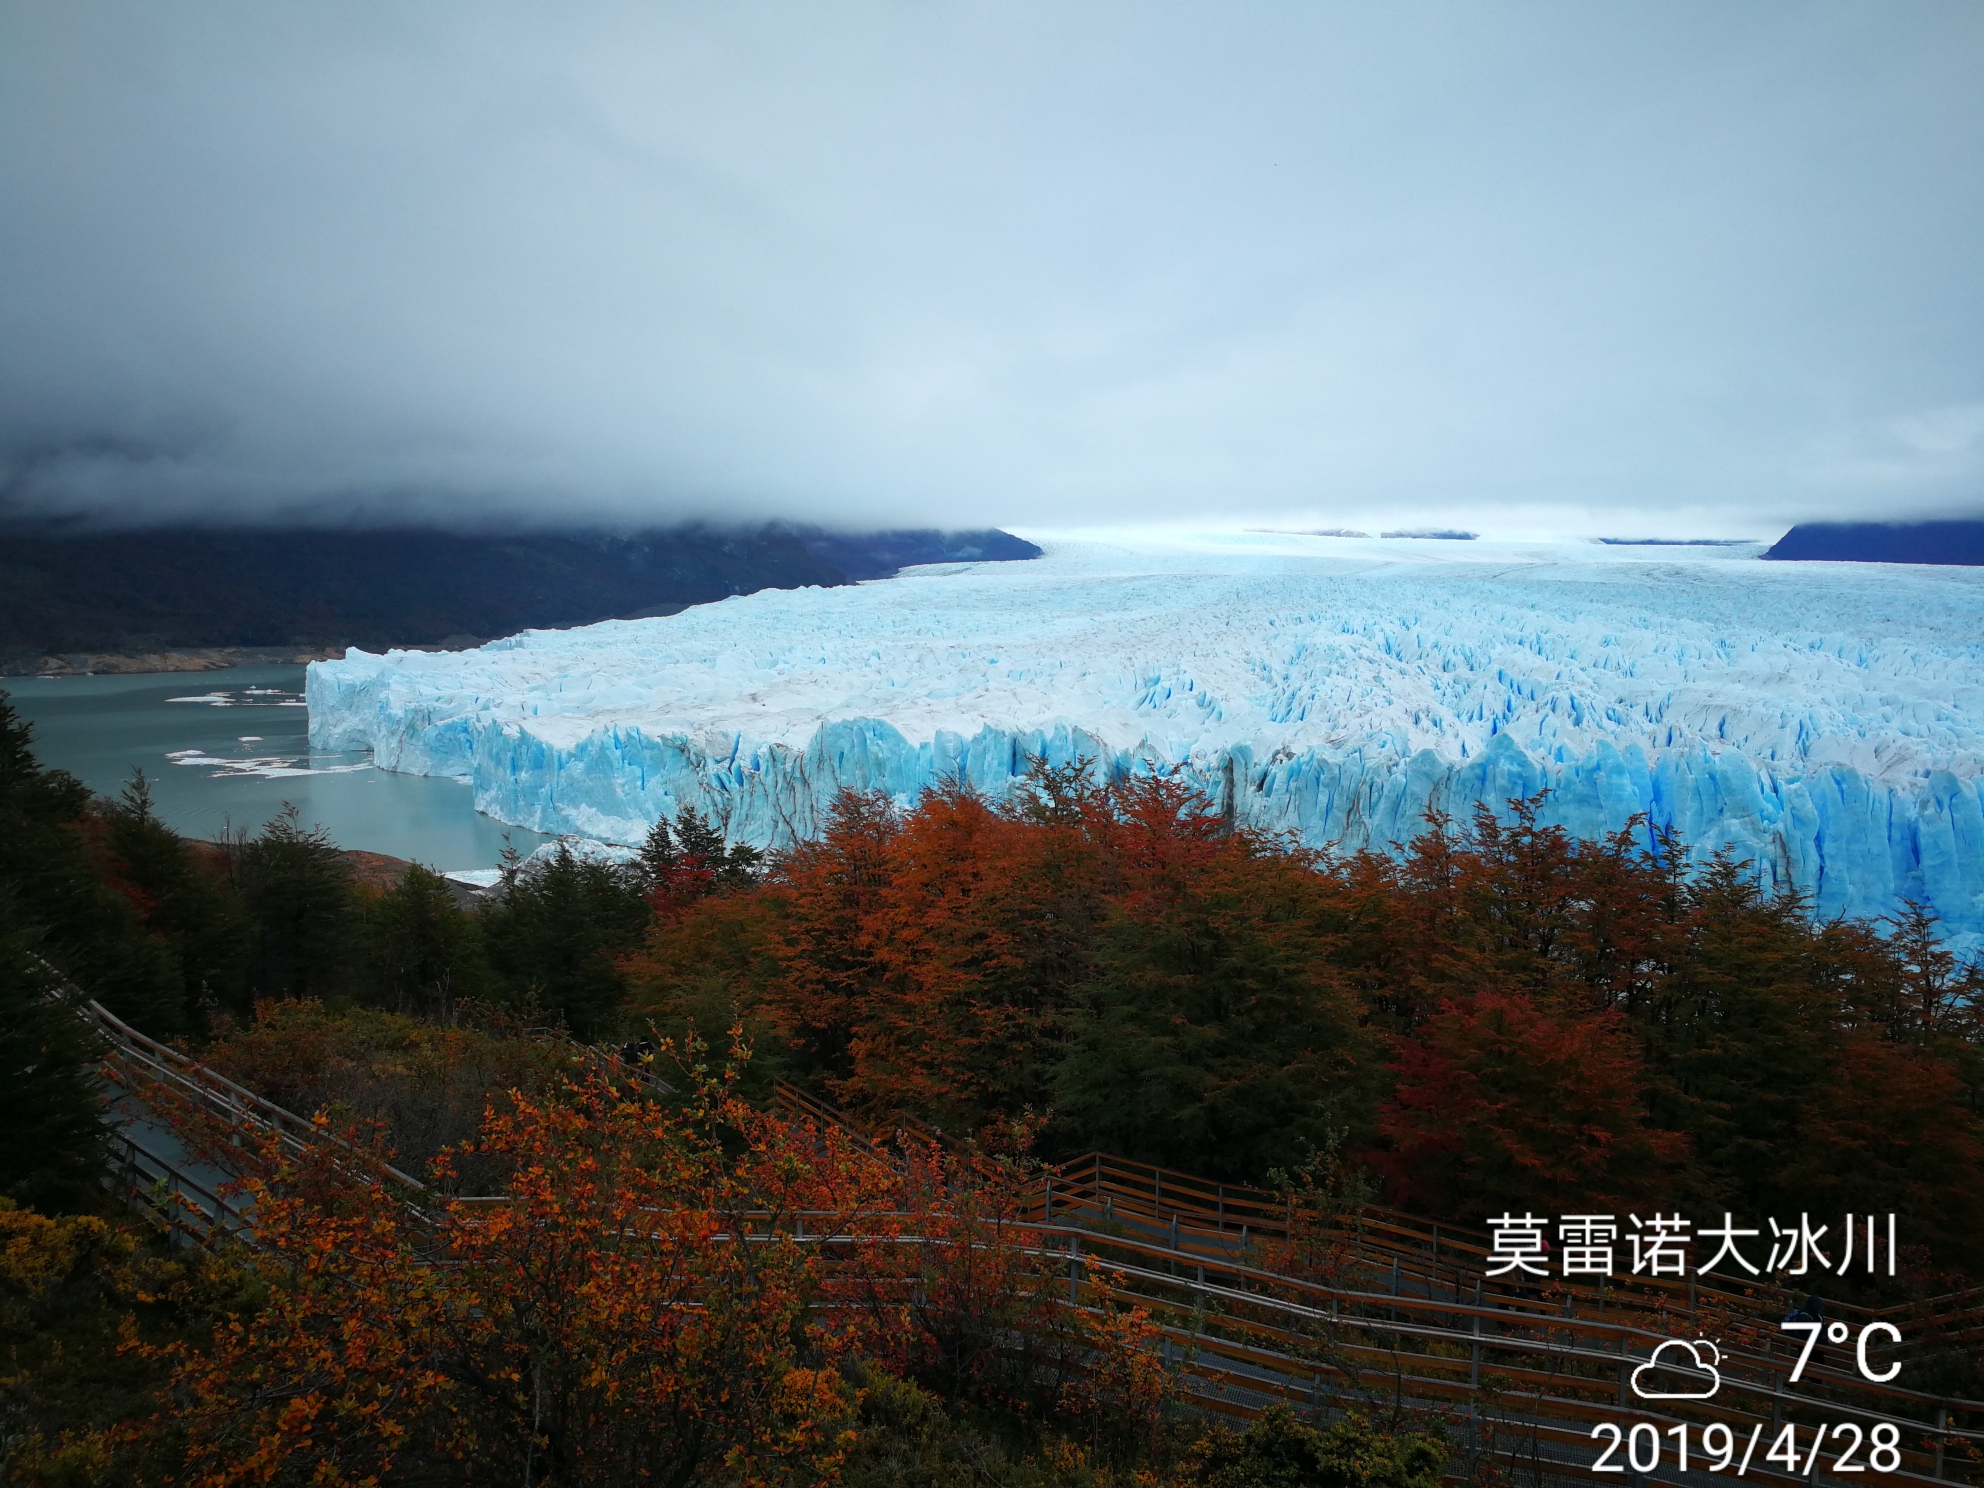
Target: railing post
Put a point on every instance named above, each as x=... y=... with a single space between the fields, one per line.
x=1075 y=1269
x=1049 y=1201
x=1625 y=1359
x=1222 y=1209
x=1474 y=1366
x=1942 y=1421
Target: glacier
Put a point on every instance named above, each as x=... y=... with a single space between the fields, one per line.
x=1820 y=720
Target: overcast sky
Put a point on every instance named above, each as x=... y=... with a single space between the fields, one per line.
x=1586 y=268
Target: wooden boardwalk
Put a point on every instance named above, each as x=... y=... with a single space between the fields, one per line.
x=1404 y=1317
x=1390 y=1314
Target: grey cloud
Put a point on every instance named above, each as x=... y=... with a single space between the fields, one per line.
x=1532 y=267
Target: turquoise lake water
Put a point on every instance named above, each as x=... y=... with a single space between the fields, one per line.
x=231 y=747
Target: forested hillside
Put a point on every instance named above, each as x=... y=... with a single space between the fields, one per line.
x=69 y=589
x=1502 y=1017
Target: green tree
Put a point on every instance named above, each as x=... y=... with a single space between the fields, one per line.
x=298 y=893
x=181 y=891
x=49 y=863
x=1216 y=1037
x=1278 y=1451
x=54 y=1150
x=423 y=955
x=559 y=932
x=1738 y=1031
x=689 y=860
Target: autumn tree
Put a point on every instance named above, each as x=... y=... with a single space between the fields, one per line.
x=1499 y=1102
x=425 y=1086
x=1215 y=1034
x=1184 y=992
x=978 y=936
x=821 y=961
x=633 y=1308
x=73 y=1289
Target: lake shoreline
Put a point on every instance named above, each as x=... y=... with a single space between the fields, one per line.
x=231 y=750
x=164 y=659
x=169 y=659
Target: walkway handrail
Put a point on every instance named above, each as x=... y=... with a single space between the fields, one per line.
x=207 y=1087
x=1134 y=1231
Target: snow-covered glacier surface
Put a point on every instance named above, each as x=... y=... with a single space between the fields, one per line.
x=1821 y=719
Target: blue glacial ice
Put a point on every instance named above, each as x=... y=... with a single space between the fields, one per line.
x=1822 y=720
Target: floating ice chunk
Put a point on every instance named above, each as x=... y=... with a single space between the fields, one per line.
x=268 y=767
x=586 y=849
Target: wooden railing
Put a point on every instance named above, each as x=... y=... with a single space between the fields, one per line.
x=160 y=1077
x=1435 y=1258
x=1405 y=1317
x=1520 y=1360
x=1416 y=1255
x=1410 y=1298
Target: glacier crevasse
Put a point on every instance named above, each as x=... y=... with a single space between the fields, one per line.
x=1820 y=720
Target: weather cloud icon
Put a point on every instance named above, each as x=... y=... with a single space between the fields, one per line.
x=1684 y=1365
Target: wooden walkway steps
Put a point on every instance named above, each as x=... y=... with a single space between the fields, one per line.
x=1405 y=1319
x=1408 y=1304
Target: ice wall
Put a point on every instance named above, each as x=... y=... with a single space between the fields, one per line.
x=1823 y=720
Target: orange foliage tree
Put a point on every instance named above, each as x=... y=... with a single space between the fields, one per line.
x=632 y=1309
x=947 y=1285
x=662 y=1292
x=1495 y=1013
x=1500 y=1103
x=951 y=1287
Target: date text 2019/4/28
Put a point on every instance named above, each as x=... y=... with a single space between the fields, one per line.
x=1844 y=1447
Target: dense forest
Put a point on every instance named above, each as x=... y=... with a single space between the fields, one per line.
x=1497 y=1016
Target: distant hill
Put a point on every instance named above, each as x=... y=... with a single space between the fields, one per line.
x=1883 y=542
x=1678 y=542
x=68 y=590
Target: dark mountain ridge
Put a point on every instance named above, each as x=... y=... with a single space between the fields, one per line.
x=1953 y=542
x=63 y=589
